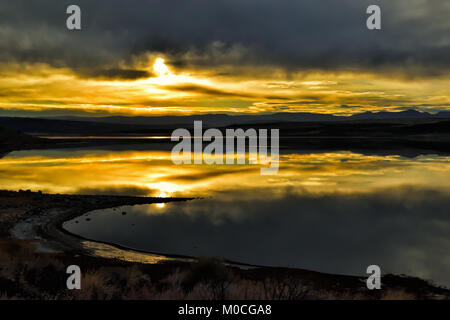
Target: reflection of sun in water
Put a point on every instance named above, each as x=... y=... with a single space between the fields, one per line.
x=161 y=195
x=160 y=67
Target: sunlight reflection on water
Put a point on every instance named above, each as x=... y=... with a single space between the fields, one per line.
x=153 y=173
x=334 y=212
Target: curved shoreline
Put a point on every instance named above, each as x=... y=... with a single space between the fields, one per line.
x=43 y=224
x=174 y=256
x=45 y=228
x=38 y=219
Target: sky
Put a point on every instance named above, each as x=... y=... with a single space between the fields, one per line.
x=176 y=57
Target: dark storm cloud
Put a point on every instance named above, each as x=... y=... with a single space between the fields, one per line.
x=206 y=90
x=117 y=74
x=295 y=35
x=201 y=176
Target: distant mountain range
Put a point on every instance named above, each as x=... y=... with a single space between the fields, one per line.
x=225 y=119
x=159 y=124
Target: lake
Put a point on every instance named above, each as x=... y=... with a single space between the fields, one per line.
x=335 y=212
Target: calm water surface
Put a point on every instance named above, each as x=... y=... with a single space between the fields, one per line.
x=335 y=212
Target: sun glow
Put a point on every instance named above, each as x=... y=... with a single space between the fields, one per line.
x=160 y=67
x=163 y=195
x=152 y=173
x=166 y=89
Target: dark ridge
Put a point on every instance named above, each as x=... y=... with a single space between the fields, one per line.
x=115 y=124
x=12 y=139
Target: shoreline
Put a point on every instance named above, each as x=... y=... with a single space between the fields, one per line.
x=146 y=253
x=45 y=224
x=37 y=218
x=45 y=228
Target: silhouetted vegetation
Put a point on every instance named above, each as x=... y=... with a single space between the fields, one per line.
x=25 y=274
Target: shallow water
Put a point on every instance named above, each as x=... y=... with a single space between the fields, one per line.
x=334 y=212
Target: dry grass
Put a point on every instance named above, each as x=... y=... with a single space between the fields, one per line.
x=25 y=274
x=392 y=294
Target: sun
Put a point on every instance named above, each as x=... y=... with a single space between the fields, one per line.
x=160 y=67
x=162 y=195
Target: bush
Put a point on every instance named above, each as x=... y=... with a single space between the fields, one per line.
x=211 y=276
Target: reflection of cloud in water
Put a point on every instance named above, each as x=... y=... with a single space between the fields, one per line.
x=404 y=230
x=330 y=211
x=150 y=172
x=111 y=252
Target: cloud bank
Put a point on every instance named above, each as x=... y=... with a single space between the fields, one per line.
x=294 y=35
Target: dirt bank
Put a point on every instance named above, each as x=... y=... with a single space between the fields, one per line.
x=38 y=217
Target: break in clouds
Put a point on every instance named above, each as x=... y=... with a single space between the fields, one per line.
x=294 y=35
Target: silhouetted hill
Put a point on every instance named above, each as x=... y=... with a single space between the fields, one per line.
x=391 y=128
x=442 y=114
x=10 y=139
x=407 y=137
x=403 y=136
x=383 y=115
x=39 y=126
x=214 y=120
x=161 y=124
x=211 y=120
